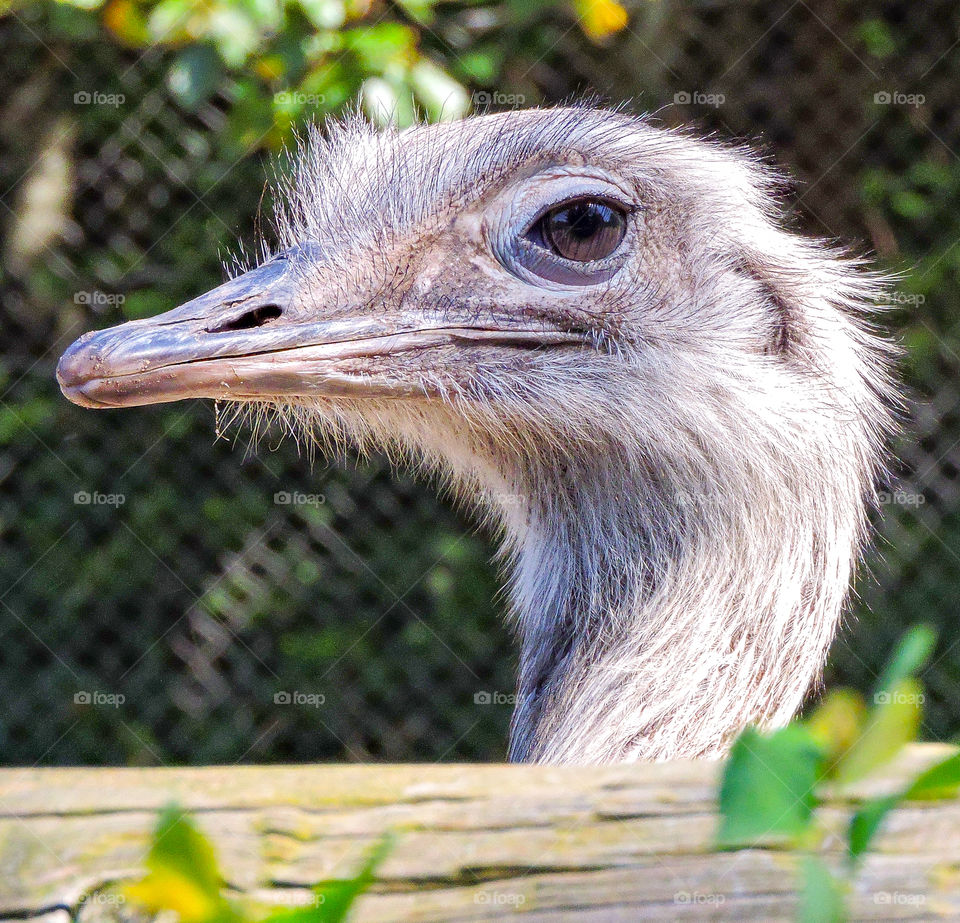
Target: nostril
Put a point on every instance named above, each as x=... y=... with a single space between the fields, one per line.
x=256 y=317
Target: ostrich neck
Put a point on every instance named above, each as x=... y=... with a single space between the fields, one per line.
x=656 y=626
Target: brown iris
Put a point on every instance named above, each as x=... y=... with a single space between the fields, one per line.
x=584 y=230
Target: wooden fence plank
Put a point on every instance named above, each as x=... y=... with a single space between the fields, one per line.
x=472 y=842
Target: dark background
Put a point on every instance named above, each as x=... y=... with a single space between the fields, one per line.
x=137 y=138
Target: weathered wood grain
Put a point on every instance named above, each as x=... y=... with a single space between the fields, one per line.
x=473 y=842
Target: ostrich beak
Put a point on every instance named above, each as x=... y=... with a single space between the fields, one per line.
x=251 y=338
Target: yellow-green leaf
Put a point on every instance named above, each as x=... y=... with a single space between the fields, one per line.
x=125 y=20
x=182 y=873
x=837 y=722
x=890 y=724
x=169 y=890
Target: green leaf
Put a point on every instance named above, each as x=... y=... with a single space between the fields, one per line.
x=481 y=65
x=866 y=822
x=234 y=30
x=939 y=781
x=768 y=786
x=167 y=20
x=86 y=4
x=178 y=844
x=182 y=874
x=267 y=14
x=821 y=895
x=932 y=174
x=891 y=724
x=909 y=657
x=379 y=100
x=942 y=780
x=336 y=898
x=875 y=186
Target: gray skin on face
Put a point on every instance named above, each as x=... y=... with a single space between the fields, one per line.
x=677 y=440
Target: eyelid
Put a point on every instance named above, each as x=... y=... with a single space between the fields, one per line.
x=508 y=225
x=527 y=202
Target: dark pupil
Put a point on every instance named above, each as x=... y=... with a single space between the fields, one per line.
x=584 y=231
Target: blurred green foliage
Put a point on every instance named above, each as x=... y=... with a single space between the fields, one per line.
x=291 y=58
x=183 y=878
x=772 y=783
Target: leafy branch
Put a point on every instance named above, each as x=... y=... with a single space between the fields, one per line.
x=183 y=877
x=772 y=783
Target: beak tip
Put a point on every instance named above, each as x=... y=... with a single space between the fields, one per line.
x=75 y=371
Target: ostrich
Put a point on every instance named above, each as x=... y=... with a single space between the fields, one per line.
x=672 y=408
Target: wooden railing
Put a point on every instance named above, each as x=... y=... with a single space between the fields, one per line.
x=472 y=842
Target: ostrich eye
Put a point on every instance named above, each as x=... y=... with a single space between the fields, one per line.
x=577 y=236
x=582 y=231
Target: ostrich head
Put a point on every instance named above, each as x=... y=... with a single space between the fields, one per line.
x=600 y=332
